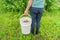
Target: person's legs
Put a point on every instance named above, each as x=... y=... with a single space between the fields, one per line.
x=38 y=18
x=33 y=23
x=33 y=16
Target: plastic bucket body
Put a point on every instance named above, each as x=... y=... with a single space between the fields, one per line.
x=25 y=29
x=25 y=23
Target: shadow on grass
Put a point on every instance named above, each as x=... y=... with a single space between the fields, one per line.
x=37 y=37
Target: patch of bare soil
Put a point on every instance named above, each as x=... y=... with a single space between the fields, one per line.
x=36 y=37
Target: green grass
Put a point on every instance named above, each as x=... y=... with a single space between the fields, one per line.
x=10 y=28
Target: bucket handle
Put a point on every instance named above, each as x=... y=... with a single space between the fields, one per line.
x=25 y=15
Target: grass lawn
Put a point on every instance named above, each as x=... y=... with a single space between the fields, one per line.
x=10 y=28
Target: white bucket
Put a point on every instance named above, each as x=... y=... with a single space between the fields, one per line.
x=25 y=23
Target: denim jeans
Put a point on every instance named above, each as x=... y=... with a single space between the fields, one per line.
x=36 y=14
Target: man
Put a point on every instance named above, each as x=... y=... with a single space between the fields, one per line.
x=36 y=8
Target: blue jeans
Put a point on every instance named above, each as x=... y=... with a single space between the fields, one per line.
x=36 y=14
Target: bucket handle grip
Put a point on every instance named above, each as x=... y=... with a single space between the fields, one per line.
x=25 y=15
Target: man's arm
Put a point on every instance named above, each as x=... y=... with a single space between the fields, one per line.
x=28 y=6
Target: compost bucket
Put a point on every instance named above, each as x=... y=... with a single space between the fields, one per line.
x=25 y=22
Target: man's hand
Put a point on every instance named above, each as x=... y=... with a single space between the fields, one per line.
x=26 y=12
x=28 y=6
